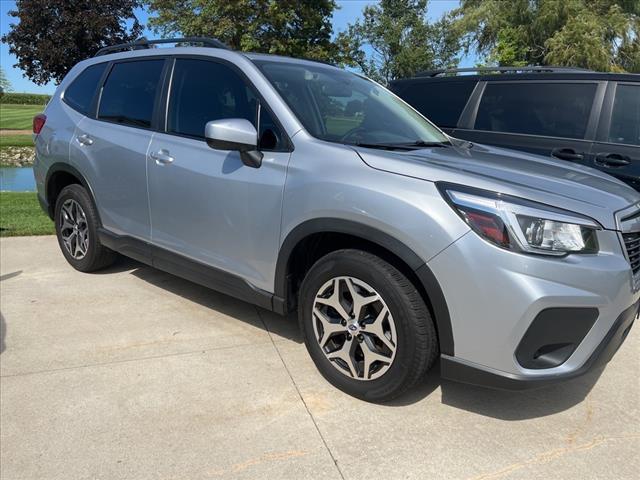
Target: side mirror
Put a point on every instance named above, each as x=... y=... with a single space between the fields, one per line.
x=235 y=134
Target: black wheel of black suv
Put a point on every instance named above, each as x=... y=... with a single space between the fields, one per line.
x=77 y=231
x=365 y=325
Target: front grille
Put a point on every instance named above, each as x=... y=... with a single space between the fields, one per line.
x=632 y=244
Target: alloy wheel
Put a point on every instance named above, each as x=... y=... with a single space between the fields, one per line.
x=354 y=328
x=74 y=229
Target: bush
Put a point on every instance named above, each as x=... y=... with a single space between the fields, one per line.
x=24 y=98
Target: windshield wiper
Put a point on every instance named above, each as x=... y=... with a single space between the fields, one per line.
x=422 y=143
x=385 y=146
x=403 y=146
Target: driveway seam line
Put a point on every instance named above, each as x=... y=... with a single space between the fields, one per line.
x=127 y=360
x=284 y=364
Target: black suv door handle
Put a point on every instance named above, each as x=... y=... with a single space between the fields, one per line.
x=566 y=154
x=613 y=159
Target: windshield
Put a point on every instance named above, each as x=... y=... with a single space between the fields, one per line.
x=339 y=106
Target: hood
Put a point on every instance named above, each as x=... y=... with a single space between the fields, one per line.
x=545 y=180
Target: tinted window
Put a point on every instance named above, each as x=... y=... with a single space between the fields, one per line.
x=79 y=94
x=130 y=91
x=548 y=109
x=625 y=119
x=440 y=102
x=202 y=91
x=339 y=106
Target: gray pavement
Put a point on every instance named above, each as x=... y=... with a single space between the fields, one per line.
x=133 y=373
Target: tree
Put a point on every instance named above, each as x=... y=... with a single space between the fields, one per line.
x=297 y=28
x=5 y=84
x=53 y=35
x=400 y=40
x=596 y=34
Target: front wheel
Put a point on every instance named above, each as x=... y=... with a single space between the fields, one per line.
x=365 y=325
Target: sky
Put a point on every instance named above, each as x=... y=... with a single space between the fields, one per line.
x=349 y=12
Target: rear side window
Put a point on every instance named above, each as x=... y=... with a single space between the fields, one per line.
x=202 y=91
x=547 y=109
x=440 y=102
x=79 y=95
x=625 y=119
x=129 y=93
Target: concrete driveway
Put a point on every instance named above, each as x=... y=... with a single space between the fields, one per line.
x=133 y=373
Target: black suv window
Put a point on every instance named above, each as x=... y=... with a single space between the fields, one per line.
x=547 y=109
x=441 y=102
x=79 y=94
x=130 y=91
x=202 y=91
x=625 y=119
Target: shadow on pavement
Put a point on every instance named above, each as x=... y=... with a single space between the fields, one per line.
x=206 y=297
x=504 y=404
x=500 y=404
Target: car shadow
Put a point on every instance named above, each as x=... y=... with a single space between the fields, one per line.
x=504 y=404
x=499 y=404
x=276 y=324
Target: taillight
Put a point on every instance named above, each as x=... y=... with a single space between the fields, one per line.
x=38 y=122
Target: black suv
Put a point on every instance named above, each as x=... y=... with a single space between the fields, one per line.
x=576 y=115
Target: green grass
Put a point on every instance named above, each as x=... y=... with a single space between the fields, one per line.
x=18 y=117
x=20 y=214
x=16 y=141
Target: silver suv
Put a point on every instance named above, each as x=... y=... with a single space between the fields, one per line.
x=293 y=184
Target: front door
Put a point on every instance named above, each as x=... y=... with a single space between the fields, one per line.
x=205 y=204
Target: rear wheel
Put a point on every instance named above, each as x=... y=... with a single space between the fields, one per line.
x=365 y=325
x=77 y=230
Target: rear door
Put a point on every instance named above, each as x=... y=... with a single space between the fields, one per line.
x=617 y=147
x=110 y=146
x=548 y=117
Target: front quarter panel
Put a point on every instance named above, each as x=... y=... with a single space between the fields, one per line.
x=331 y=181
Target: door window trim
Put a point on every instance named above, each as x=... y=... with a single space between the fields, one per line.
x=163 y=114
x=470 y=113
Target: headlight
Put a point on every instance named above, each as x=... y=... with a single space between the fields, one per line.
x=516 y=224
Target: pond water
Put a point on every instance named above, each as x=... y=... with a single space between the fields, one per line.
x=17 y=179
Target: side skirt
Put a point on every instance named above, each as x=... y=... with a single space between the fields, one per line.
x=191 y=270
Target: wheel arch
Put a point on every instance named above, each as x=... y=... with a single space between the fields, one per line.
x=59 y=176
x=351 y=234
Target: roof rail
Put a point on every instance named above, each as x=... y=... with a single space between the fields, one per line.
x=143 y=43
x=435 y=73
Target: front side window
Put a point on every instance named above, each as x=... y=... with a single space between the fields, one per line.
x=129 y=93
x=203 y=91
x=625 y=118
x=339 y=106
x=79 y=95
x=547 y=109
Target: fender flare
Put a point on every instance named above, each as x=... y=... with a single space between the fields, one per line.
x=420 y=268
x=66 y=168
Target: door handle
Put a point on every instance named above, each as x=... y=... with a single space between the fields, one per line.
x=162 y=157
x=84 y=140
x=613 y=159
x=566 y=154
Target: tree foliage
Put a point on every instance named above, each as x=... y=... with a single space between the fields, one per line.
x=597 y=34
x=5 y=84
x=53 y=35
x=394 y=39
x=298 y=28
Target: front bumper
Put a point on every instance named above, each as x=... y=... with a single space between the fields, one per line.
x=495 y=297
x=467 y=372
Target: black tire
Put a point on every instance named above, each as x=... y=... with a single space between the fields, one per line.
x=97 y=255
x=417 y=344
